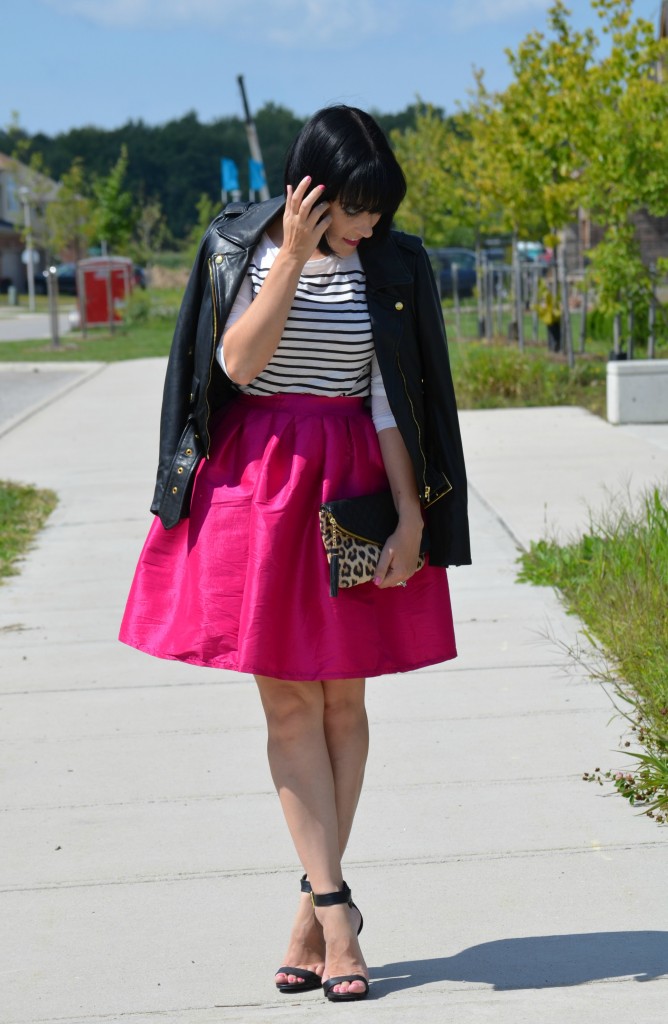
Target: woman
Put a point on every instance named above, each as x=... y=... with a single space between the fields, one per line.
x=297 y=311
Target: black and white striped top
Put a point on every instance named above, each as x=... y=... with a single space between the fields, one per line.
x=327 y=346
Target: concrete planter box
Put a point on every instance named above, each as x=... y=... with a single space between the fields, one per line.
x=637 y=391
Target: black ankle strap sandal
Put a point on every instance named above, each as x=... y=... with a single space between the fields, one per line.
x=333 y=899
x=309 y=979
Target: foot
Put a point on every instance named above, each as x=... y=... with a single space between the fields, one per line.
x=306 y=949
x=344 y=956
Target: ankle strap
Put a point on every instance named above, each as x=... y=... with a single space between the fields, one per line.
x=304 y=884
x=332 y=899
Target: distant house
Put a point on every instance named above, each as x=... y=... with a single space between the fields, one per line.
x=21 y=186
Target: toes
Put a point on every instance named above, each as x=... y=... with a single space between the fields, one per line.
x=349 y=986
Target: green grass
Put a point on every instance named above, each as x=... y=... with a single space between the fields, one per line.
x=138 y=343
x=147 y=331
x=498 y=375
x=67 y=302
x=23 y=512
x=615 y=579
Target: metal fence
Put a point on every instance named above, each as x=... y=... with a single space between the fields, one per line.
x=507 y=304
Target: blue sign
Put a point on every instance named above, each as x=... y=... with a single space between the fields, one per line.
x=256 y=175
x=229 y=174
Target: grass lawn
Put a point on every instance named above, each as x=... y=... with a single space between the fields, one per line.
x=23 y=512
x=137 y=342
x=615 y=579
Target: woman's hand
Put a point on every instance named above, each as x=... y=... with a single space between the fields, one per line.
x=399 y=557
x=305 y=220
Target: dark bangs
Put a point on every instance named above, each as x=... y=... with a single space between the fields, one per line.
x=345 y=150
x=374 y=185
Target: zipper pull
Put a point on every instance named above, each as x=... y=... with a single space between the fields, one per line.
x=334 y=574
x=334 y=559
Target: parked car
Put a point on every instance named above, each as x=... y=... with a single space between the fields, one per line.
x=534 y=252
x=442 y=261
x=67 y=279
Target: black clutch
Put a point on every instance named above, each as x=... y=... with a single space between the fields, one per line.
x=354 y=531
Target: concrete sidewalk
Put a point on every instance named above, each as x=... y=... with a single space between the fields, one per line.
x=146 y=874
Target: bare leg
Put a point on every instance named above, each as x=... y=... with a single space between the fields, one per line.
x=317 y=746
x=347 y=738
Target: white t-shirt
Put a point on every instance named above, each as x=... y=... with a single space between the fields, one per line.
x=327 y=345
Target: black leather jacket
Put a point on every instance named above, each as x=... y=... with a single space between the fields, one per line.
x=410 y=342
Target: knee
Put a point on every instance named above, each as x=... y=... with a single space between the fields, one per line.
x=291 y=710
x=344 y=708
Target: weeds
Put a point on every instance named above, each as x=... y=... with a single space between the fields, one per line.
x=615 y=579
x=499 y=376
x=23 y=512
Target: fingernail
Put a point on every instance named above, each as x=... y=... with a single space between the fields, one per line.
x=323 y=187
x=376 y=581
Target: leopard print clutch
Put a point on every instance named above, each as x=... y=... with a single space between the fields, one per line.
x=354 y=531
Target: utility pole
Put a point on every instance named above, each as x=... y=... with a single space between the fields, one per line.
x=251 y=134
x=29 y=253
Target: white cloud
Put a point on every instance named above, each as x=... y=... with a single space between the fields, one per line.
x=468 y=14
x=286 y=23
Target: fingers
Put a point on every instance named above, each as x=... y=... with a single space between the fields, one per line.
x=383 y=567
x=305 y=220
x=389 y=572
x=300 y=204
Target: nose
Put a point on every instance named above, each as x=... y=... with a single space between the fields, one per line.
x=366 y=224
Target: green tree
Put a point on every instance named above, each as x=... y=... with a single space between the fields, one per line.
x=582 y=126
x=151 y=231
x=428 y=154
x=69 y=216
x=206 y=211
x=626 y=146
x=524 y=160
x=114 y=215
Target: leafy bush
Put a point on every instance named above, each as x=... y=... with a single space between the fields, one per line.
x=600 y=325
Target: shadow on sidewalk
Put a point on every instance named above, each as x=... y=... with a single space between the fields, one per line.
x=540 y=961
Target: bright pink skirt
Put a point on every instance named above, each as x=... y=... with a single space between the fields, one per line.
x=243 y=583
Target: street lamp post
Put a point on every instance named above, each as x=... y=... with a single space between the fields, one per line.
x=24 y=192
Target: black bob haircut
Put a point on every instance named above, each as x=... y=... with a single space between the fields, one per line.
x=345 y=150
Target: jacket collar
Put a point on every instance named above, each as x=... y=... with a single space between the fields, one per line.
x=383 y=264
x=244 y=223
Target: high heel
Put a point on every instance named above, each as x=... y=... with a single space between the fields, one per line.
x=310 y=980
x=332 y=899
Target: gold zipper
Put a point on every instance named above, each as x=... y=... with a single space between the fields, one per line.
x=213 y=355
x=427 y=488
x=441 y=494
x=337 y=527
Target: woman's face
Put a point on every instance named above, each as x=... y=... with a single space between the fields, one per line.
x=347 y=228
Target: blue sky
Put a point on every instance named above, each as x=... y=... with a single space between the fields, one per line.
x=69 y=63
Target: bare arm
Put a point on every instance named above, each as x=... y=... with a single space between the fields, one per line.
x=398 y=560
x=252 y=340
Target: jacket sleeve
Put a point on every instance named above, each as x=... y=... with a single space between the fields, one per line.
x=449 y=515
x=176 y=398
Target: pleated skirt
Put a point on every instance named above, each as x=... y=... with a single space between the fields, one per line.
x=243 y=583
